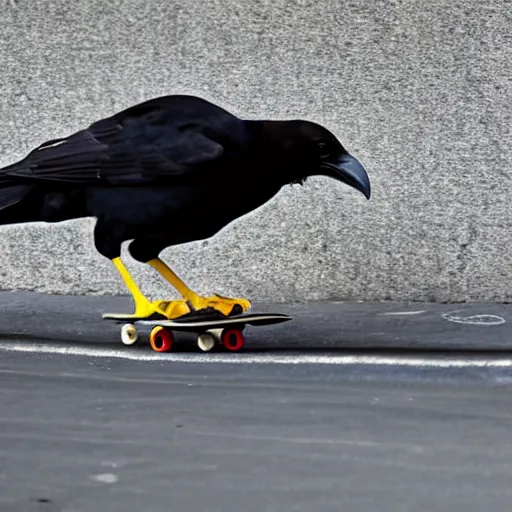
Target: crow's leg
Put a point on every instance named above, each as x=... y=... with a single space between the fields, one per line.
x=224 y=305
x=147 y=250
x=143 y=307
x=109 y=245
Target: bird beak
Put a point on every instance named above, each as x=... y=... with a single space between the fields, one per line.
x=349 y=170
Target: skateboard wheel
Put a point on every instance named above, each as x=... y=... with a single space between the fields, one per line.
x=206 y=341
x=216 y=333
x=160 y=339
x=128 y=334
x=232 y=339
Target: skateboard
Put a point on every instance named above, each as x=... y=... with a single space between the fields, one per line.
x=226 y=332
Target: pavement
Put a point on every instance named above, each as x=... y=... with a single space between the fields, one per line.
x=353 y=407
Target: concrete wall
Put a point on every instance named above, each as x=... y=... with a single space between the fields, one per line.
x=419 y=91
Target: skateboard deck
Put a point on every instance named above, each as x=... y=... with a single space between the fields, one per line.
x=212 y=330
x=200 y=324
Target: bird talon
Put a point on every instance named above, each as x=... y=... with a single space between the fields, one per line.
x=172 y=309
x=190 y=306
x=224 y=305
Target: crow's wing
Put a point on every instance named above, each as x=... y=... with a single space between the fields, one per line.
x=134 y=147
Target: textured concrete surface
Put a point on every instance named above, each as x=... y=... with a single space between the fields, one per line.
x=419 y=91
x=82 y=435
x=88 y=424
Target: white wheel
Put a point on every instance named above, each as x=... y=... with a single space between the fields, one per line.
x=128 y=334
x=205 y=342
x=216 y=333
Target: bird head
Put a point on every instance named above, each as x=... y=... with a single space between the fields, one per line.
x=308 y=149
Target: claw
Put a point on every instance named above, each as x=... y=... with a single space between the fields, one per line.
x=224 y=305
x=172 y=309
x=197 y=304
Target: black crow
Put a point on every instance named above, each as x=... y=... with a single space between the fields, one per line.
x=168 y=171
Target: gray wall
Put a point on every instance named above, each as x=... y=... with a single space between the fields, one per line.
x=419 y=91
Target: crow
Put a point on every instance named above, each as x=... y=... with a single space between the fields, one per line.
x=167 y=171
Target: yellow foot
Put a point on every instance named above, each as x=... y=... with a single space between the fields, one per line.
x=172 y=309
x=165 y=308
x=224 y=305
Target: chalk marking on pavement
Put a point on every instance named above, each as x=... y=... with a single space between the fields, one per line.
x=292 y=358
x=486 y=320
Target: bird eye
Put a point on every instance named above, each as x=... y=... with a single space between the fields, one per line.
x=323 y=150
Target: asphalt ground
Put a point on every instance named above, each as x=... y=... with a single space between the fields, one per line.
x=353 y=407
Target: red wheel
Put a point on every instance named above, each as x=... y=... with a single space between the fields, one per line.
x=161 y=340
x=232 y=339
